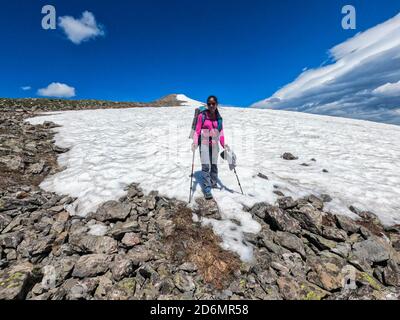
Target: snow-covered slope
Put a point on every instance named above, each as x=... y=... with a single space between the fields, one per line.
x=113 y=148
x=186 y=101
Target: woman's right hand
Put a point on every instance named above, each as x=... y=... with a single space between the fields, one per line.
x=194 y=147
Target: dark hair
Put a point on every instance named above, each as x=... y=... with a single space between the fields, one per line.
x=212 y=97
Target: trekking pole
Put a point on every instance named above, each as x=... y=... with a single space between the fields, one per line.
x=191 y=178
x=237 y=177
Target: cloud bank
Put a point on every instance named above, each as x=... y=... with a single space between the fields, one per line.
x=81 y=30
x=57 y=90
x=26 y=88
x=362 y=82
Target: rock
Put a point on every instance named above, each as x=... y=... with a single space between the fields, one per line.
x=63 y=269
x=166 y=286
x=334 y=234
x=37 y=168
x=309 y=218
x=122 y=267
x=291 y=242
x=287 y=203
x=391 y=274
x=4 y=221
x=188 y=267
x=293 y=289
x=91 y=265
x=104 y=286
x=326 y=198
x=184 y=282
x=342 y=249
x=17 y=281
x=371 y=251
x=259 y=210
x=282 y=269
x=123 y=290
x=121 y=228
x=289 y=156
x=395 y=239
x=49 y=277
x=262 y=176
x=11 y=240
x=296 y=264
x=130 y=239
x=316 y=202
x=85 y=243
x=32 y=247
x=320 y=242
x=112 y=211
x=280 y=220
x=140 y=254
x=326 y=272
x=266 y=277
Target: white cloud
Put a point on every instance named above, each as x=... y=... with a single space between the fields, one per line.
x=26 y=88
x=362 y=67
x=389 y=90
x=57 y=90
x=80 y=30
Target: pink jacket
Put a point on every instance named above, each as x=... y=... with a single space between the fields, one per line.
x=207 y=131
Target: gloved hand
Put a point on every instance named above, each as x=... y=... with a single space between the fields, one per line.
x=194 y=147
x=227 y=148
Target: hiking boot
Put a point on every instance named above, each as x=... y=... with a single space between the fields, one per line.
x=214 y=186
x=208 y=196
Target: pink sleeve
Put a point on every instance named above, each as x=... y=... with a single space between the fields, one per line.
x=222 y=138
x=197 y=132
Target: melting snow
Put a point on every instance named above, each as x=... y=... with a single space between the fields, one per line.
x=113 y=148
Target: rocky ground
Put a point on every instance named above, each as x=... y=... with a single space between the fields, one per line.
x=145 y=246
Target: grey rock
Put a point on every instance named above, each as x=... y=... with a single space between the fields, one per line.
x=319 y=242
x=122 y=267
x=121 y=228
x=11 y=240
x=316 y=202
x=123 y=290
x=17 y=281
x=184 y=282
x=347 y=224
x=391 y=274
x=326 y=272
x=291 y=242
x=4 y=221
x=112 y=211
x=91 y=265
x=334 y=234
x=289 y=156
x=280 y=220
x=287 y=203
x=309 y=218
x=371 y=251
x=85 y=243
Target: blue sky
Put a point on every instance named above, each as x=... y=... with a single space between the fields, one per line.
x=242 y=51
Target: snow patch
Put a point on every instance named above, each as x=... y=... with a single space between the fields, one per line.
x=188 y=102
x=111 y=149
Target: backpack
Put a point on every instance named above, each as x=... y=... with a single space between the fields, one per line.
x=202 y=110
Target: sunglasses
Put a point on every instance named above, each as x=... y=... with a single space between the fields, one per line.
x=211 y=104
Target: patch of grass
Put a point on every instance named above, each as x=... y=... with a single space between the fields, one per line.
x=190 y=242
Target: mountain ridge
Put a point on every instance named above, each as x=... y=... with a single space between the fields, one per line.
x=49 y=104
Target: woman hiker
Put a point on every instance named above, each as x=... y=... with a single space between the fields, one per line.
x=208 y=132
